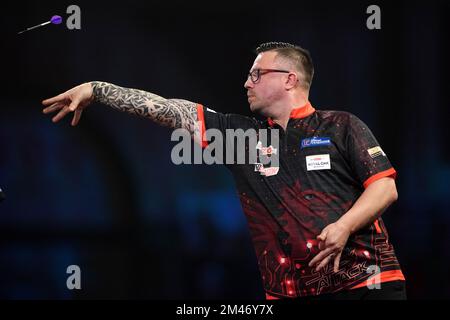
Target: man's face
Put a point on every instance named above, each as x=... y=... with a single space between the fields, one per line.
x=269 y=87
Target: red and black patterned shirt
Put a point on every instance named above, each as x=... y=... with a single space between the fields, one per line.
x=326 y=160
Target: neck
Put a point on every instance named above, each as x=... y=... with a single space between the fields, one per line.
x=283 y=109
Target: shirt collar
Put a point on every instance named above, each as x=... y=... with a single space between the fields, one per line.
x=298 y=113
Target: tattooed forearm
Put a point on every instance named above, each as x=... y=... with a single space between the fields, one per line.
x=174 y=113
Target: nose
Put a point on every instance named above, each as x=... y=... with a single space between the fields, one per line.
x=248 y=83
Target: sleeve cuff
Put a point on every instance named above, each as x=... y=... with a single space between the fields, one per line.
x=387 y=173
x=201 y=121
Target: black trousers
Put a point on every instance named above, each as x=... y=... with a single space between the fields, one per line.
x=393 y=290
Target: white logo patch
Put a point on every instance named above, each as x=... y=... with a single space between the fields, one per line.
x=266 y=151
x=318 y=162
x=270 y=171
x=376 y=151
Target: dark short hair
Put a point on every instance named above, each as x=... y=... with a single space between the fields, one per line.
x=297 y=55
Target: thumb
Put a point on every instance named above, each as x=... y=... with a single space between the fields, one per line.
x=323 y=235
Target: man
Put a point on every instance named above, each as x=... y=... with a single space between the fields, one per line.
x=315 y=222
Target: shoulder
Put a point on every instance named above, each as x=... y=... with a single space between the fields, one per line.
x=231 y=120
x=243 y=120
x=336 y=115
x=341 y=118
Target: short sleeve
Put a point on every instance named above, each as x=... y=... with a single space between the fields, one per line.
x=210 y=119
x=367 y=159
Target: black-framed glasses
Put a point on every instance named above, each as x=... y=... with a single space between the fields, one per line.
x=257 y=73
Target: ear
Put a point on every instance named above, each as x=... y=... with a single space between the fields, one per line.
x=291 y=81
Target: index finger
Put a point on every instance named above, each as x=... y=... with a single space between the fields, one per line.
x=52 y=100
x=336 y=262
x=320 y=256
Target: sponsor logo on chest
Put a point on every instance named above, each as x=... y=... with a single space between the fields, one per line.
x=318 y=162
x=315 y=142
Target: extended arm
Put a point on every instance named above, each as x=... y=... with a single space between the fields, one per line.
x=174 y=113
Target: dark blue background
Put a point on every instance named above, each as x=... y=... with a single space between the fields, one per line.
x=106 y=196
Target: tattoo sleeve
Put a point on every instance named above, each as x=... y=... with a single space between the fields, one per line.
x=174 y=113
